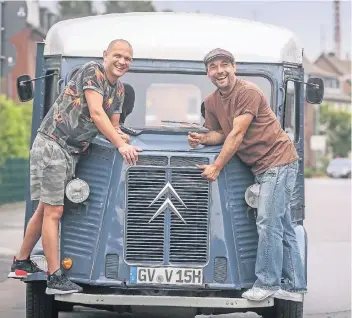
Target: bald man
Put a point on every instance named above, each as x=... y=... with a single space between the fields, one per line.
x=91 y=102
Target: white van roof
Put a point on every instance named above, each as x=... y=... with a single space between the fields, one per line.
x=174 y=36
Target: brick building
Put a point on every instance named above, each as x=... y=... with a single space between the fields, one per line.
x=23 y=23
x=341 y=68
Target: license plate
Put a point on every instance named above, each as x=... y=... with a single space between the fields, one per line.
x=166 y=275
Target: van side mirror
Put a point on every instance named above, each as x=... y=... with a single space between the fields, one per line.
x=314 y=90
x=25 y=88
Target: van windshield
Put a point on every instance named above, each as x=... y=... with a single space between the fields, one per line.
x=171 y=99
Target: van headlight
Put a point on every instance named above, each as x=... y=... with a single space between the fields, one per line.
x=252 y=195
x=40 y=260
x=77 y=190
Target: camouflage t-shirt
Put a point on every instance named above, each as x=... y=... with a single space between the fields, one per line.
x=68 y=121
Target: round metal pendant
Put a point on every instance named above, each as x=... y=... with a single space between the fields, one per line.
x=77 y=190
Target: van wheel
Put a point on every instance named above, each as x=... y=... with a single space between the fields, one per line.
x=284 y=309
x=38 y=304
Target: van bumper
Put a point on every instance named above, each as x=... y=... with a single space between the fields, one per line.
x=163 y=301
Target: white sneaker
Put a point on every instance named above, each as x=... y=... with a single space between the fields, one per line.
x=286 y=295
x=257 y=293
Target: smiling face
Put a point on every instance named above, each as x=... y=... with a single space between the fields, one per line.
x=222 y=73
x=117 y=59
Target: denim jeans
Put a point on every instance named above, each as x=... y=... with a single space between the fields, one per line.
x=278 y=255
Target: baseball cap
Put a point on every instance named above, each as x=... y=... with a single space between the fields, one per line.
x=218 y=53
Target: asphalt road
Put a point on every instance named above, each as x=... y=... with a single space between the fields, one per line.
x=328 y=223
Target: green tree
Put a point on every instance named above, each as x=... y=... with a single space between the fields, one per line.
x=15 y=129
x=337 y=127
x=128 y=6
x=75 y=9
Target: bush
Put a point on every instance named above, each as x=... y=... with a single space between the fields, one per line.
x=313 y=173
x=308 y=172
x=15 y=129
x=336 y=124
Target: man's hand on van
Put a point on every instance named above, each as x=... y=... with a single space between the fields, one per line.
x=210 y=172
x=129 y=153
x=126 y=138
x=194 y=139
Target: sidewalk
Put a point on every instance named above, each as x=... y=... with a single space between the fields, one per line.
x=11 y=228
x=8 y=207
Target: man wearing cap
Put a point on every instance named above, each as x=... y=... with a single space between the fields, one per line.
x=238 y=115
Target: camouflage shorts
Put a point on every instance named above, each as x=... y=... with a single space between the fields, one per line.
x=51 y=168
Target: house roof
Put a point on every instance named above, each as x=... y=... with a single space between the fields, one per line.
x=174 y=36
x=313 y=69
x=341 y=66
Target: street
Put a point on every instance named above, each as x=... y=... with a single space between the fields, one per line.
x=328 y=224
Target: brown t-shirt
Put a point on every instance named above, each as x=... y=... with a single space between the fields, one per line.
x=265 y=143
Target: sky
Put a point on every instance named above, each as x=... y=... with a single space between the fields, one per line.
x=311 y=21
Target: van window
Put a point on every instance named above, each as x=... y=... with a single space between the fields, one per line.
x=291 y=118
x=174 y=97
x=50 y=89
x=181 y=102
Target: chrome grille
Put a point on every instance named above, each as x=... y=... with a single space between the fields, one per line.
x=144 y=241
x=188 y=161
x=189 y=242
x=220 y=269
x=166 y=239
x=152 y=160
x=112 y=266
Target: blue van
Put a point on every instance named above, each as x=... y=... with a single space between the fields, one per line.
x=157 y=238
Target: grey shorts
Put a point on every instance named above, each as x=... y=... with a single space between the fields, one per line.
x=51 y=168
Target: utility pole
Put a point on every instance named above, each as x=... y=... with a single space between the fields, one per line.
x=337 y=37
x=2 y=57
x=322 y=39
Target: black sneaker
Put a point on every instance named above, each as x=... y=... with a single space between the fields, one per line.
x=59 y=284
x=22 y=268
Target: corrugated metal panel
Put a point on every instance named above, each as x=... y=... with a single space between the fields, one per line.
x=189 y=242
x=144 y=241
x=238 y=178
x=81 y=223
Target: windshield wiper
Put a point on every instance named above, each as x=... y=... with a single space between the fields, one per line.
x=187 y=123
x=129 y=130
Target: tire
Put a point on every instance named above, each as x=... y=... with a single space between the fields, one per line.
x=38 y=304
x=284 y=309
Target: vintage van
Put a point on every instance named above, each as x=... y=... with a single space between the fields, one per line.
x=157 y=238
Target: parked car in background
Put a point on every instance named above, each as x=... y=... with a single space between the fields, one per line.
x=339 y=168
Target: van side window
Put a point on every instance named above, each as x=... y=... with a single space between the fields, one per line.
x=291 y=118
x=50 y=89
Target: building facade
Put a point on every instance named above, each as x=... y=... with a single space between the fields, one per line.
x=336 y=95
x=23 y=24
